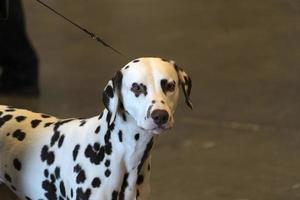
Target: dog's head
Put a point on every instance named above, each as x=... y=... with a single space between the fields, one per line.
x=147 y=89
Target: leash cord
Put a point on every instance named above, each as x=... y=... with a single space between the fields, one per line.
x=92 y=35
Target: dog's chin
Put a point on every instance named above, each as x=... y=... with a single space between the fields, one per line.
x=157 y=130
x=153 y=128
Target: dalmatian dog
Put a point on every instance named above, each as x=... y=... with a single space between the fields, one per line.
x=106 y=157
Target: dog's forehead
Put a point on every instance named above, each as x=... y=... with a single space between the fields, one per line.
x=149 y=68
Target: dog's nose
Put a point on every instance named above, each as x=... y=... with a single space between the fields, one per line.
x=160 y=117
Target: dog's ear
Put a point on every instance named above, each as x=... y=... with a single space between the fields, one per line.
x=111 y=95
x=186 y=83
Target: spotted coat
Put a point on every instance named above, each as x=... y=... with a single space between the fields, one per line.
x=104 y=157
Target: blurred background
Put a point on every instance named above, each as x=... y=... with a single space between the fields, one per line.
x=241 y=141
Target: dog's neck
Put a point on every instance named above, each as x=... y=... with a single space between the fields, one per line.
x=134 y=143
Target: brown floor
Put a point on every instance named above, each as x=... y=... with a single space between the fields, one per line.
x=242 y=141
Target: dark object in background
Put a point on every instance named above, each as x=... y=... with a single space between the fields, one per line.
x=3 y=9
x=18 y=60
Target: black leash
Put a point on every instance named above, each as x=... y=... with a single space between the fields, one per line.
x=92 y=35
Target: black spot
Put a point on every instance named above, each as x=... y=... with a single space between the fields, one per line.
x=57 y=172
x=111 y=126
x=50 y=189
x=55 y=137
x=127 y=67
x=4 y=119
x=80 y=177
x=137 y=193
x=120 y=136
x=52 y=177
x=136 y=61
x=61 y=140
x=46 y=173
x=56 y=134
x=7 y=134
x=108 y=117
x=96 y=146
x=7 y=177
x=45 y=116
x=107 y=163
x=97 y=130
x=96 y=182
x=19 y=135
x=17 y=164
x=95 y=156
x=140 y=179
x=162 y=102
x=82 y=122
x=144 y=89
x=123 y=187
x=153 y=101
x=80 y=195
x=137 y=137
x=149 y=167
x=47 y=155
x=27 y=198
x=100 y=116
x=149 y=111
x=75 y=151
x=114 y=195
x=77 y=168
x=146 y=154
x=108 y=145
x=48 y=124
x=20 y=118
x=71 y=192
x=35 y=123
x=107 y=172
x=62 y=189
x=80 y=174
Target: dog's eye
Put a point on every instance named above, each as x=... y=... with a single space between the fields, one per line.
x=170 y=86
x=138 y=89
x=167 y=86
